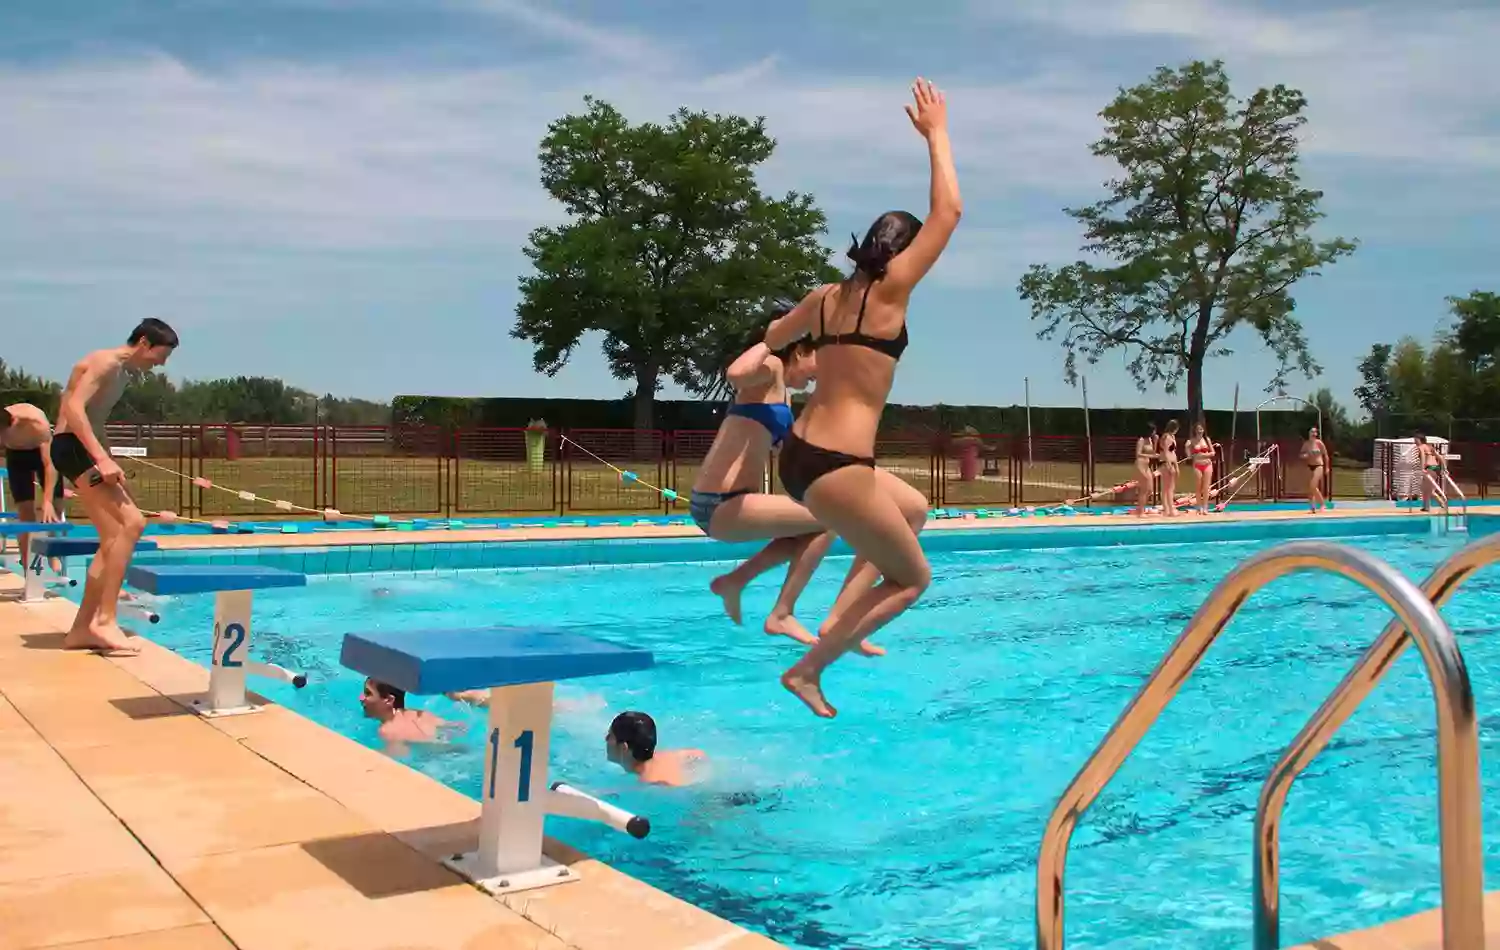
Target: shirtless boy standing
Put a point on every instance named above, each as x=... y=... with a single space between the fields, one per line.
x=27 y=437
x=80 y=452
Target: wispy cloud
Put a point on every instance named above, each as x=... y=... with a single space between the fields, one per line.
x=614 y=44
x=1389 y=83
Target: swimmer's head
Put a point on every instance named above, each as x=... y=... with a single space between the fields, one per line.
x=799 y=363
x=381 y=700
x=631 y=739
x=891 y=234
x=152 y=342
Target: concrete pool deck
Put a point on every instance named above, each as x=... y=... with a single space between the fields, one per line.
x=128 y=823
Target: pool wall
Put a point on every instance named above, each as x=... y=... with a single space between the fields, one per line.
x=479 y=555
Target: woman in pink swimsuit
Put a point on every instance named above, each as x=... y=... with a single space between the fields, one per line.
x=1201 y=450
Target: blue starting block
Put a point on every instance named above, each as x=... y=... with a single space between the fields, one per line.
x=39 y=576
x=519 y=666
x=234 y=586
x=35 y=573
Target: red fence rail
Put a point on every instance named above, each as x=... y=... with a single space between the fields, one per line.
x=428 y=470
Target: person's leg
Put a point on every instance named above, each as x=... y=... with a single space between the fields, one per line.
x=871 y=521
x=1168 y=491
x=26 y=511
x=809 y=553
x=120 y=525
x=1315 y=489
x=1142 y=490
x=729 y=587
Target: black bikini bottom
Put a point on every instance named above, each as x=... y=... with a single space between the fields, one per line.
x=803 y=463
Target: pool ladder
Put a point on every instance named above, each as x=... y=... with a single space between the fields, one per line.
x=1460 y=845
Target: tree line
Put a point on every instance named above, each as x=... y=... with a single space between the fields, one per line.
x=152 y=397
x=1449 y=386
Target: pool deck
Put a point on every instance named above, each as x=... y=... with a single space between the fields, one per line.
x=128 y=823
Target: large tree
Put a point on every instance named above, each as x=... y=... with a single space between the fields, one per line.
x=671 y=251
x=1205 y=230
x=1375 y=392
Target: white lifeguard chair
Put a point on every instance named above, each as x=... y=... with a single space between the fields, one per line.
x=1396 y=473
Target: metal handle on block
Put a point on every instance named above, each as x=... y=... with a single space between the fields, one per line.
x=568 y=802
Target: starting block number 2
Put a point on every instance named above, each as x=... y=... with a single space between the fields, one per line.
x=523 y=778
x=235 y=634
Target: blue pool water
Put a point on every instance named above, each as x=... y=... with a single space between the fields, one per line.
x=912 y=821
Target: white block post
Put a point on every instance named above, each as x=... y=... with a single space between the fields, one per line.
x=35 y=570
x=226 y=677
x=514 y=796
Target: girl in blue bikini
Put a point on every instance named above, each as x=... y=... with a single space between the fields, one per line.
x=729 y=501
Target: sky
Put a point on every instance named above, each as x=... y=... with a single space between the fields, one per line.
x=336 y=192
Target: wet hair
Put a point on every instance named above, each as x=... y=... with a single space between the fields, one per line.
x=636 y=731
x=155 y=332
x=387 y=691
x=1171 y=426
x=891 y=234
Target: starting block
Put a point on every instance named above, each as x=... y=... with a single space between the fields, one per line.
x=39 y=576
x=519 y=666
x=234 y=585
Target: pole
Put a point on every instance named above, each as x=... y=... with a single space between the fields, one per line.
x=1234 y=418
x=1029 y=459
x=1088 y=439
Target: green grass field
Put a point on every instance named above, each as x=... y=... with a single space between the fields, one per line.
x=395 y=485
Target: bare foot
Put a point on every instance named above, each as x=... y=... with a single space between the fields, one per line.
x=810 y=691
x=865 y=647
x=785 y=625
x=729 y=592
x=101 y=638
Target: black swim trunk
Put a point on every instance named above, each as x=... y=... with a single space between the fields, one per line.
x=69 y=456
x=803 y=463
x=26 y=473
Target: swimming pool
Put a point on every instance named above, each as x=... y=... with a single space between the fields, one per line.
x=913 y=820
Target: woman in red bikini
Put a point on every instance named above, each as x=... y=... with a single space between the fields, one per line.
x=1201 y=450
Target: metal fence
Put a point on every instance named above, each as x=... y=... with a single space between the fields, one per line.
x=427 y=470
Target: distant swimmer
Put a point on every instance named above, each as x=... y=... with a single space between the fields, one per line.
x=631 y=744
x=399 y=725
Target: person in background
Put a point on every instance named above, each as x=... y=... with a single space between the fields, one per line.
x=398 y=725
x=1167 y=448
x=1145 y=460
x=1315 y=454
x=630 y=743
x=1201 y=450
x=1430 y=463
x=26 y=434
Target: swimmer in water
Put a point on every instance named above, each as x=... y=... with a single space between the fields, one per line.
x=729 y=502
x=828 y=459
x=630 y=743
x=399 y=725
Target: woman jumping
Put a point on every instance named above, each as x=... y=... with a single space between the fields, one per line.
x=828 y=462
x=728 y=501
x=1201 y=449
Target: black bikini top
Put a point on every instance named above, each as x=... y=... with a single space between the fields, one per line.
x=892 y=348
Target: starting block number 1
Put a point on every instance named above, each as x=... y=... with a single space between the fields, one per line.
x=523 y=742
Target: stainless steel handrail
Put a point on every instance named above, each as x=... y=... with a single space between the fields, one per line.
x=1463 y=499
x=1439 y=587
x=1458 y=739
